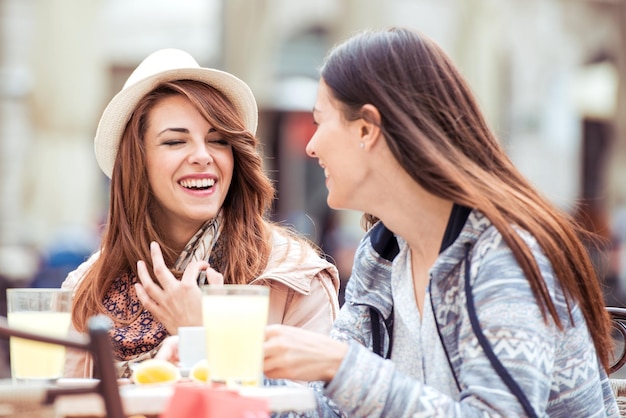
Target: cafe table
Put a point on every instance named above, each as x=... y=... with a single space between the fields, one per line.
x=26 y=401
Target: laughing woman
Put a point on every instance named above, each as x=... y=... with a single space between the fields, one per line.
x=471 y=295
x=188 y=205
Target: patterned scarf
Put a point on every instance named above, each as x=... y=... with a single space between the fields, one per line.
x=200 y=246
x=141 y=338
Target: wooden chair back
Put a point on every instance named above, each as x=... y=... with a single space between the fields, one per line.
x=99 y=346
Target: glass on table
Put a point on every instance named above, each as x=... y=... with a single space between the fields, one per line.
x=40 y=311
x=234 y=318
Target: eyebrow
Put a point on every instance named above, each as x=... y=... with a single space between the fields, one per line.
x=182 y=130
x=179 y=130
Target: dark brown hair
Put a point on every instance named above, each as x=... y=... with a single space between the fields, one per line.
x=436 y=131
x=131 y=227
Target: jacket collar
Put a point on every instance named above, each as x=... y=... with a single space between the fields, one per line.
x=379 y=247
x=295 y=265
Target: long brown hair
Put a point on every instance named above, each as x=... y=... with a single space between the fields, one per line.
x=435 y=129
x=131 y=227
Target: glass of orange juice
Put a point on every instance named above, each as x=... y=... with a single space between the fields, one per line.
x=234 y=318
x=41 y=311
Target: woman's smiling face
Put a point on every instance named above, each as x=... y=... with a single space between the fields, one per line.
x=336 y=146
x=190 y=165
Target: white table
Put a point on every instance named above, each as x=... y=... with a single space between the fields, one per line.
x=153 y=399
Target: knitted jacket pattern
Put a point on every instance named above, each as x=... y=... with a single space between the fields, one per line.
x=557 y=370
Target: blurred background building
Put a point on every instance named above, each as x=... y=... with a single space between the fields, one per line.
x=549 y=74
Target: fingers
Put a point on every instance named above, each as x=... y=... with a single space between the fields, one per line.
x=169 y=350
x=272 y=330
x=147 y=302
x=213 y=277
x=167 y=279
x=297 y=354
x=175 y=302
x=193 y=269
x=276 y=337
x=149 y=289
x=162 y=273
x=275 y=351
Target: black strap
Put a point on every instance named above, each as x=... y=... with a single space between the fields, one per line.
x=456 y=222
x=443 y=345
x=493 y=359
x=384 y=242
x=376 y=338
x=378 y=342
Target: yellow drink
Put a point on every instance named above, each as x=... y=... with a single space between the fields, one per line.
x=32 y=359
x=235 y=326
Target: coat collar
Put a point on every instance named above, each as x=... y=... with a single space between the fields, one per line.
x=295 y=265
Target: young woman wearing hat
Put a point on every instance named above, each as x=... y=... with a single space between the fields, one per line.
x=188 y=205
x=470 y=295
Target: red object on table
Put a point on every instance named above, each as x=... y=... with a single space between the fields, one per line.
x=192 y=400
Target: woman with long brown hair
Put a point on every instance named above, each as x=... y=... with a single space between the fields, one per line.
x=471 y=294
x=189 y=205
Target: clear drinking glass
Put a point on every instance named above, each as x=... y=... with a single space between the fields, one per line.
x=41 y=311
x=234 y=319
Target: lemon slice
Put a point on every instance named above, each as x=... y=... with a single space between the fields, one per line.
x=200 y=371
x=155 y=371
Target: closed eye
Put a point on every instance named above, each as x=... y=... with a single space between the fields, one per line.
x=218 y=141
x=172 y=142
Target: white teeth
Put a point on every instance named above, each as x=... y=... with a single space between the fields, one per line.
x=197 y=183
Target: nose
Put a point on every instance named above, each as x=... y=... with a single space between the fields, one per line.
x=310 y=148
x=200 y=154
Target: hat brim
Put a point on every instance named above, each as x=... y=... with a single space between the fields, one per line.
x=119 y=110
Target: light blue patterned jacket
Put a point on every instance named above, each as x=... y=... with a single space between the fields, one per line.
x=558 y=371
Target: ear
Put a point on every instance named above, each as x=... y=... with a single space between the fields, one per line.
x=370 y=125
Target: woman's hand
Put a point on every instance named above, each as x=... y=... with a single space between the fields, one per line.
x=169 y=350
x=298 y=354
x=175 y=303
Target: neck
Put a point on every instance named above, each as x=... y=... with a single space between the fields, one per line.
x=405 y=207
x=417 y=216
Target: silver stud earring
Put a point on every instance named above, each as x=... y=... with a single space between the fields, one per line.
x=362 y=145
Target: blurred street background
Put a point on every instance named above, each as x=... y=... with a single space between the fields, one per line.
x=550 y=75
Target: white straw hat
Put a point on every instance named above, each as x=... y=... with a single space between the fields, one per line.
x=161 y=66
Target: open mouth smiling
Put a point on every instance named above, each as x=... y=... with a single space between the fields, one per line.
x=197 y=184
